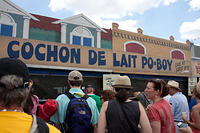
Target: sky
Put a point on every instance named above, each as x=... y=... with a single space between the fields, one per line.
x=158 y=18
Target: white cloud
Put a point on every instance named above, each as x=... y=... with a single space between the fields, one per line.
x=168 y=2
x=190 y=30
x=195 y=5
x=129 y=25
x=113 y=9
x=105 y=12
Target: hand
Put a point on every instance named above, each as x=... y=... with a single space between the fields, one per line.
x=186 y=130
x=184 y=116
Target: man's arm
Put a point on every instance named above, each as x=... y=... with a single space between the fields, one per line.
x=95 y=128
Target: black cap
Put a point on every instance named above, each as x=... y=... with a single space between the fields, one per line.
x=12 y=66
x=87 y=86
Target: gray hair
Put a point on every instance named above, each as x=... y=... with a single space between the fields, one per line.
x=12 y=91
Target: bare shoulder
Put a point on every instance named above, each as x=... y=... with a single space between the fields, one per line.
x=104 y=106
x=196 y=108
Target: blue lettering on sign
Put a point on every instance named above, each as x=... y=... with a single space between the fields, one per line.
x=144 y=61
x=101 y=58
x=164 y=63
x=161 y=64
x=115 y=62
x=150 y=63
x=52 y=53
x=130 y=57
x=64 y=58
x=29 y=54
x=75 y=55
x=123 y=61
x=38 y=55
x=129 y=60
x=64 y=54
x=10 y=51
x=27 y=50
x=92 y=57
x=170 y=64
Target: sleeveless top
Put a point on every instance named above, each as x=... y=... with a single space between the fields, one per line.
x=131 y=112
x=194 y=130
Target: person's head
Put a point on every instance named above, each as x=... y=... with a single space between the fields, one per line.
x=173 y=87
x=196 y=92
x=14 y=83
x=122 y=86
x=75 y=79
x=156 y=88
x=107 y=95
x=89 y=89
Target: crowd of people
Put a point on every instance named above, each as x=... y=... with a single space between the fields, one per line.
x=161 y=108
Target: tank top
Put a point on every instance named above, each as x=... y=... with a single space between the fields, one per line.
x=194 y=130
x=114 y=122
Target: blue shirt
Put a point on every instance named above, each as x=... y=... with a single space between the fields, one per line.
x=179 y=104
x=63 y=102
x=192 y=103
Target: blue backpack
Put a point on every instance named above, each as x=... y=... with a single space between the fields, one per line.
x=78 y=115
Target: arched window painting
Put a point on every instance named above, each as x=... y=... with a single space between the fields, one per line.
x=135 y=47
x=177 y=54
x=7 y=25
x=81 y=36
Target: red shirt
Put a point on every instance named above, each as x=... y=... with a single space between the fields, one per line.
x=161 y=111
x=194 y=130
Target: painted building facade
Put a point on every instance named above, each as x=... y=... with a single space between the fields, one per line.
x=195 y=67
x=53 y=47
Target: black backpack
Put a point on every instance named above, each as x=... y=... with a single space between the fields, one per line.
x=78 y=115
x=39 y=125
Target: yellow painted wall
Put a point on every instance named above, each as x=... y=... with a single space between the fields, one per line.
x=155 y=48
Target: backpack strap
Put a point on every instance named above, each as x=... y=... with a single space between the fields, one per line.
x=34 y=127
x=85 y=97
x=39 y=125
x=42 y=126
x=69 y=95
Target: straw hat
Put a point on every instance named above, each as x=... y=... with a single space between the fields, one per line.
x=123 y=82
x=174 y=84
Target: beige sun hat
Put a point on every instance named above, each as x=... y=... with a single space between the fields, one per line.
x=122 y=82
x=75 y=76
x=174 y=84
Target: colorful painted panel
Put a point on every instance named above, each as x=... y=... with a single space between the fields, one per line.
x=44 y=35
x=177 y=55
x=76 y=40
x=135 y=48
x=87 y=41
x=6 y=30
